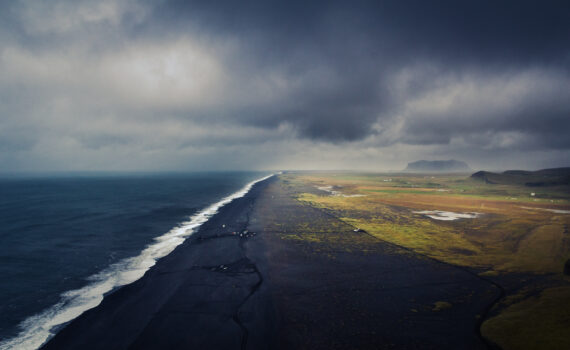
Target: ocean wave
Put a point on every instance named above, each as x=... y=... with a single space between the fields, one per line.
x=38 y=329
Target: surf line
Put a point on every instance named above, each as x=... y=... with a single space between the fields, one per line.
x=38 y=329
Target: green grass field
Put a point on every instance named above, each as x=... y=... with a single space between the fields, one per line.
x=517 y=230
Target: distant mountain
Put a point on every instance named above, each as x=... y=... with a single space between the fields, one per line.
x=539 y=178
x=439 y=166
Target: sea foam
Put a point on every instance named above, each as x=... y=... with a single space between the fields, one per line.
x=38 y=329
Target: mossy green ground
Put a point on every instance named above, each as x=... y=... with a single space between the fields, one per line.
x=537 y=322
x=516 y=233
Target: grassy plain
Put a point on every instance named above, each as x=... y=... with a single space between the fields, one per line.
x=517 y=230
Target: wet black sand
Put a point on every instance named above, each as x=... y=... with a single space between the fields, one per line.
x=281 y=289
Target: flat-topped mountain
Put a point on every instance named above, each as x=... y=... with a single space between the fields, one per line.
x=539 y=178
x=440 y=166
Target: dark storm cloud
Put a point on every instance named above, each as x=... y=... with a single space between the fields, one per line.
x=520 y=30
x=360 y=46
x=130 y=82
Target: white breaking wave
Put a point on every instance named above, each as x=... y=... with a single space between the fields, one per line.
x=38 y=329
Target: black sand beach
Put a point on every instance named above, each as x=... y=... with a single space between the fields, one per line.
x=335 y=288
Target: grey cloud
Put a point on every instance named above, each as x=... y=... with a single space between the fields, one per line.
x=532 y=103
x=157 y=82
x=366 y=42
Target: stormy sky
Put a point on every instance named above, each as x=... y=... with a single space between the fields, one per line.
x=218 y=85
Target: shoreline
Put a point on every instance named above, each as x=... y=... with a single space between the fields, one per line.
x=41 y=327
x=281 y=286
x=98 y=327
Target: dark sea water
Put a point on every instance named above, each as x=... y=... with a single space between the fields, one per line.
x=67 y=240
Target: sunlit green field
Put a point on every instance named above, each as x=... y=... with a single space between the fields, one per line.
x=514 y=229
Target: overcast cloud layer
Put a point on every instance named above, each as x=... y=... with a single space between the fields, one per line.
x=204 y=85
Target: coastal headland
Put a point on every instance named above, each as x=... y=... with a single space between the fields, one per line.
x=281 y=268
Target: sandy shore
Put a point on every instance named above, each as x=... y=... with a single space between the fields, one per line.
x=278 y=289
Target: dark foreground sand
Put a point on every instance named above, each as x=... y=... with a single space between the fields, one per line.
x=278 y=289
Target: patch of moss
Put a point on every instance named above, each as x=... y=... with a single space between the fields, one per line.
x=441 y=305
x=538 y=322
x=506 y=238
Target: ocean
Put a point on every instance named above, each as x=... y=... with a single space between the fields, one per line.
x=67 y=240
